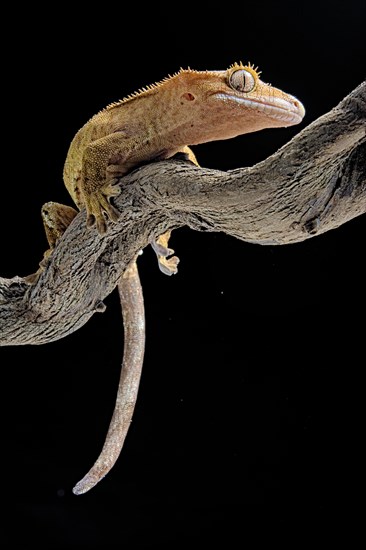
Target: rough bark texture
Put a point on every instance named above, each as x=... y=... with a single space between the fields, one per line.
x=314 y=183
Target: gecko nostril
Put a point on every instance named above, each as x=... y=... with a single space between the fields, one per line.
x=188 y=96
x=300 y=107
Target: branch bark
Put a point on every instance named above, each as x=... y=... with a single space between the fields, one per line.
x=313 y=184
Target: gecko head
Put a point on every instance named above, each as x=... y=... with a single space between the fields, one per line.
x=236 y=101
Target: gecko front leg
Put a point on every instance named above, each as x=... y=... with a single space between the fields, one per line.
x=105 y=160
x=168 y=264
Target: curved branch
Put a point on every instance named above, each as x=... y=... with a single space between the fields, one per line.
x=314 y=183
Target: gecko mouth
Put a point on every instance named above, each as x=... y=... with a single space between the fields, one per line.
x=278 y=108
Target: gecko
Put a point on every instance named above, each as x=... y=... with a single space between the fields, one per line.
x=157 y=122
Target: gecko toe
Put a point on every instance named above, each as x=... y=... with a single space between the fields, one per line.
x=160 y=249
x=101 y=225
x=168 y=266
x=90 y=220
x=113 y=213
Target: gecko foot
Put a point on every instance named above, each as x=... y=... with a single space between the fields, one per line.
x=168 y=264
x=56 y=219
x=99 y=208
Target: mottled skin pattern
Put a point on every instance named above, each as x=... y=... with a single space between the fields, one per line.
x=188 y=108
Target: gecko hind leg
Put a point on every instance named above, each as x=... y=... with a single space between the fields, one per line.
x=56 y=218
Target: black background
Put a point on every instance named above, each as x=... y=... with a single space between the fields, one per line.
x=249 y=419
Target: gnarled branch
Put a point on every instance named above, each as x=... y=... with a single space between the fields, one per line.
x=313 y=184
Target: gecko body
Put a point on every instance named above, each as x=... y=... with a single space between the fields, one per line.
x=188 y=108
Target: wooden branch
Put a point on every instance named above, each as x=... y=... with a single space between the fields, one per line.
x=311 y=185
x=314 y=183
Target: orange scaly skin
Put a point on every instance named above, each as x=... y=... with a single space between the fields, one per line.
x=185 y=109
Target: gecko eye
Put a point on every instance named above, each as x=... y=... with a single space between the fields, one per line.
x=242 y=81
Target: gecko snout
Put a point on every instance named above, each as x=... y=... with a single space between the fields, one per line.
x=298 y=106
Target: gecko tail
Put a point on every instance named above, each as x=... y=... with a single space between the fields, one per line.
x=133 y=311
